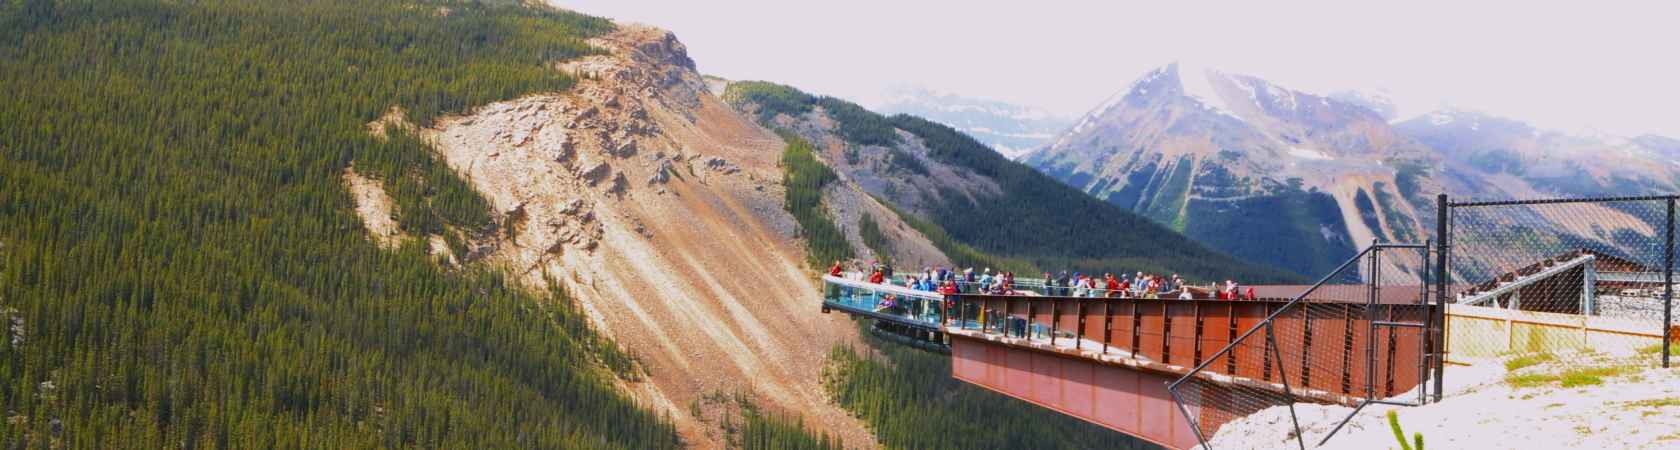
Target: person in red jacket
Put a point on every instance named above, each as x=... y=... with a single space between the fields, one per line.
x=875 y=277
x=1113 y=286
x=834 y=271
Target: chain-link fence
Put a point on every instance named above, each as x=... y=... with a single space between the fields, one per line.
x=1548 y=288
x=1561 y=282
x=1361 y=335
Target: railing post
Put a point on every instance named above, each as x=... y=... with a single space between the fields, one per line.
x=1108 y=323
x=1427 y=320
x=1668 y=286
x=1009 y=315
x=1442 y=273
x=1079 y=333
x=1055 y=320
x=1371 y=325
x=962 y=321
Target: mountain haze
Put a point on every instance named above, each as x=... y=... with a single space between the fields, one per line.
x=1008 y=128
x=1585 y=163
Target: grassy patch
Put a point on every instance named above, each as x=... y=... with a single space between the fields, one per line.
x=1594 y=375
x=1574 y=379
x=1655 y=402
x=1528 y=360
x=1530 y=380
x=1657 y=349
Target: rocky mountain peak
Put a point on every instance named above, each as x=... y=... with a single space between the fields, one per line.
x=1377 y=102
x=654 y=44
x=1187 y=145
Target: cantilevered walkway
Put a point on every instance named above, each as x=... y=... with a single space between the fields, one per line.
x=1110 y=360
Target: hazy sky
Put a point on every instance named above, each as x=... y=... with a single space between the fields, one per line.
x=1611 y=64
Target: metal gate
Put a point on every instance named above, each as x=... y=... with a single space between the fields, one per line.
x=1365 y=334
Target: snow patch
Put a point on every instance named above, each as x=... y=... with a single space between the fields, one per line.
x=1252 y=95
x=1031 y=114
x=1013 y=135
x=1198 y=86
x=1279 y=95
x=1302 y=153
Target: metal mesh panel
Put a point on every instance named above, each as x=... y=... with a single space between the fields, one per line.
x=1560 y=282
x=1359 y=335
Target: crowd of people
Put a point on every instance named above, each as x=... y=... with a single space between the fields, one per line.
x=950 y=281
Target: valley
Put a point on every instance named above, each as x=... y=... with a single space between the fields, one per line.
x=370 y=224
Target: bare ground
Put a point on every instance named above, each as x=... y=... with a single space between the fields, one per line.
x=374 y=206
x=1639 y=408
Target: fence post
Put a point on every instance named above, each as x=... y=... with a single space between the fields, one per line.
x=1441 y=273
x=1668 y=286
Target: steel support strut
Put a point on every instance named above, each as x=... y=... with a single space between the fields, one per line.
x=1271 y=340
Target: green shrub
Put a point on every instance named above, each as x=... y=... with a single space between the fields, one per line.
x=1394 y=423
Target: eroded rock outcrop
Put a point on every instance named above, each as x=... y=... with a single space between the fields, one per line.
x=696 y=270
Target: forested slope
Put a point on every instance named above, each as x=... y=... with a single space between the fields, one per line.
x=985 y=201
x=183 y=269
x=913 y=402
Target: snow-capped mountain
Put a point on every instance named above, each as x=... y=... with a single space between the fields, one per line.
x=1301 y=181
x=1008 y=128
x=1582 y=162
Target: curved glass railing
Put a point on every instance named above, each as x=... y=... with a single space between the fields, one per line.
x=884 y=301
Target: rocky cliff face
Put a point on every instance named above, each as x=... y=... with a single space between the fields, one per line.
x=660 y=209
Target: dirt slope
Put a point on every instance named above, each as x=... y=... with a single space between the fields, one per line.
x=659 y=208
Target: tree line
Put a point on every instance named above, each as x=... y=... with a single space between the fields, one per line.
x=911 y=401
x=187 y=270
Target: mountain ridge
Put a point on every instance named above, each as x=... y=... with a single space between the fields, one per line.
x=1008 y=128
x=983 y=199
